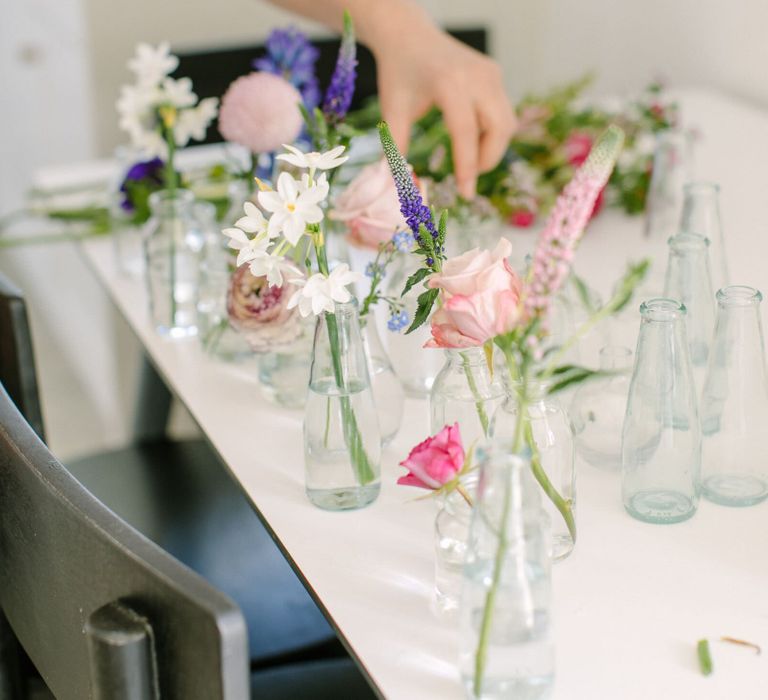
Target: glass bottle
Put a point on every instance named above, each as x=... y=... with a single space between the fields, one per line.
x=552 y=437
x=173 y=241
x=342 y=442
x=466 y=392
x=284 y=371
x=451 y=536
x=417 y=367
x=387 y=391
x=688 y=281
x=701 y=214
x=505 y=632
x=598 y=407
x=661 y=440
x=671 y=170
x=734 y=405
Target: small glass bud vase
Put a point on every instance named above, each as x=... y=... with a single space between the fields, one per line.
x=688 y=281
x=387 y=390
x=598 y=407
x=550 y=440
x=173 y=241
x=734 y=404
x=701 y=215
x=451 y=536
x=505 y=632
x=467 y=392
x=284 y=372
x=661 y=439
x=342 y=442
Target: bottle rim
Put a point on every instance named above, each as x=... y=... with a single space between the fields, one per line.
x=662 y=309
x=738 y=295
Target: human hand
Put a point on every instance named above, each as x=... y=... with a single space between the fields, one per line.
x=420 y=66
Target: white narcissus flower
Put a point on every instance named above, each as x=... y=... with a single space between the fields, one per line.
x=248 y=248
x=177 y=93
x=292 y=207
x=263 y=264
x=193 y=123
x=313 y=160
x=319 y=293
x=152 y=64
x=253 y=221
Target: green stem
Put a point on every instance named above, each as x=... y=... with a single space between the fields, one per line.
x=481 y=655
x=481 y=413
x=360 y=462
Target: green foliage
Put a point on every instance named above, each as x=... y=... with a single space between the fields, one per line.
x=425 y=302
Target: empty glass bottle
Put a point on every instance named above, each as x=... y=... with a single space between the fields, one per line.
x=173 y=241
x=505 y=638
x=598 y=407
x=342 y=443
x=661 y=440
x=701 y=214
x=734 y=405
x=465 y=392
x=387 y=390
x=551 y=441
x=671 y=170
x=688 y=281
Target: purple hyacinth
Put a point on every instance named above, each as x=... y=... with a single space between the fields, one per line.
x=151 y=172
x=291 y=55
x=412 y=206
x=338 y=97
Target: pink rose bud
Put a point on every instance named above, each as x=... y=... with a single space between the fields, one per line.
x=436 y=461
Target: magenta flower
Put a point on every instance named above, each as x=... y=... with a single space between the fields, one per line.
x=436 y=461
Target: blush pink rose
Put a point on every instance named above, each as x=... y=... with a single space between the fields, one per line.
x=477 y=270
x=480 y=295
x=436 y=461
x=369 y=207
x=260 y=311
x=261 y=112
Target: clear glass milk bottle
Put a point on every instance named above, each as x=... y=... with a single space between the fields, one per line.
x=466 y=391
x=342 y=442
x=173 y=241
x=661 y=439
x=549 y=436
x=734 y=404
x=505 y=631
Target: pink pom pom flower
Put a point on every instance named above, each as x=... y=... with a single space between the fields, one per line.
x=261 y=112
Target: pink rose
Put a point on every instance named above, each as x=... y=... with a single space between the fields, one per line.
x=477 y=270
x=577 y=148
x=260 y=312
x=261 y=112
x=522 y=218
x=436 y=461
x=369 y=206
x=481 y=298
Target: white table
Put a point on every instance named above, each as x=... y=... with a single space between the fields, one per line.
x=630 y=602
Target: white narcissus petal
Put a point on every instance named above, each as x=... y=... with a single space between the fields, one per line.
x=237 y=239
x=287 y=187
x=270 y=200
x=311 y=213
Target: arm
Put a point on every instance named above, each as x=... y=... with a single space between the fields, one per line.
x=420 y=66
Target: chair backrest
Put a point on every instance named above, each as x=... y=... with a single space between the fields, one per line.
x=17 y=362
x=101 y=611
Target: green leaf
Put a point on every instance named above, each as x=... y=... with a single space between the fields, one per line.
x=705 y=658
x=628 y=284
x=414 y=279
x=583 y=292
x=568 y=375
x=425 y=302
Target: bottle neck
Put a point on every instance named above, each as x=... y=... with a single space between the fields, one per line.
x=167 y=203
x=472 y=357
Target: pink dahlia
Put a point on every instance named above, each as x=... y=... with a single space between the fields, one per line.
x=261 y=112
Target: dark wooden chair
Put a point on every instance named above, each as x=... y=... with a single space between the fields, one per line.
x=102 y=612
x=179 y=495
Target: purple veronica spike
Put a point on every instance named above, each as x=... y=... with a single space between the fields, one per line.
x=291 y=55
x=412 y=205
x=338 y=97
